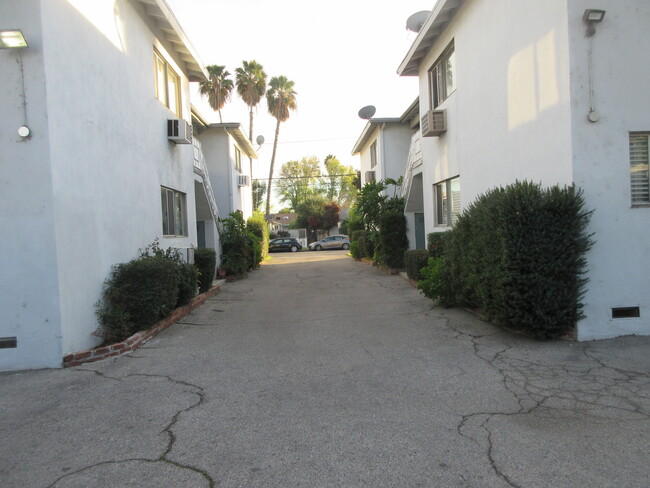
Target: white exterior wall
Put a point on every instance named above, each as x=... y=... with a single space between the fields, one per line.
x=219 y=151
x=509 y=117
x=393 y=142
x=364 y=159
x=29 y=288
x=619 y=263
x=108 y=157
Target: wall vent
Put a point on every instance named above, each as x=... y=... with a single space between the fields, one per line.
x=626 y=313
x=434 y=123
x=8 y=342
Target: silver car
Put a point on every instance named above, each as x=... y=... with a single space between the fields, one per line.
x=331 y=242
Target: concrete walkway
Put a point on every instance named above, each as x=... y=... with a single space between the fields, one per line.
x=317 y=371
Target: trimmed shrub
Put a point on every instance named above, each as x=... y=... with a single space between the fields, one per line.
x=237 y=245
x=415 y=260
x=256 y=254
x=432 y=281
x=354 y=236
x=518 y=254
x=188 y=281
x=137 y=295
x=355 y=250
x=392 y=238
x=258 y=226
x=205 y=260
x=436 y=243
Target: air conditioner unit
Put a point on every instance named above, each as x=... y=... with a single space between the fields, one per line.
x=434 y=123
x=179 y=131
x=244 y=180
x=370 y=176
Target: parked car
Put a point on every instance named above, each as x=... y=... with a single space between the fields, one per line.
x=331 y=242
x=285 y=244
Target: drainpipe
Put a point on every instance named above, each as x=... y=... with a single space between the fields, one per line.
x=382 y=135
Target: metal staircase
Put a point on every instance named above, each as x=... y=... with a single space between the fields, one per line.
x=414 y=160
x=201 y=169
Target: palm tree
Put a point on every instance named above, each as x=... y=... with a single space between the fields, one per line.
x=280 y=99
x=251 y=86
x=217 y=88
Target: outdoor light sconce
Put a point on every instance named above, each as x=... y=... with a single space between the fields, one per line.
x=12 y=39
x=591 y=18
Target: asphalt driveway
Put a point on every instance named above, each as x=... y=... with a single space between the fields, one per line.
x=318 y=371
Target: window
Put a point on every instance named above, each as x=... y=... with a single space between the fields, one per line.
x=447 y=201
x=373 y=155
x=639 y=174
x=442 y=77
x=174 y=212
x=168 y=85
x=237 y=159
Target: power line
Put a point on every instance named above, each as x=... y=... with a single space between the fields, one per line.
x=304 y=177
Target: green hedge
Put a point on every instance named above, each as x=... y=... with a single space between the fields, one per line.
x=137 y=295
x=518 y=254
x=392 y=239
x=205 y=260
x=436 y=243
x=258 y=226
x=414 y=261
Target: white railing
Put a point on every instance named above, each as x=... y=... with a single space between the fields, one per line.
x=414 y=160
x=201 y=169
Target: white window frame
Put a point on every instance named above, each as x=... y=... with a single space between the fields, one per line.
x=447 y=203
x=442 y=77
x=167 y=84
x=174 y=212
x=639 y=169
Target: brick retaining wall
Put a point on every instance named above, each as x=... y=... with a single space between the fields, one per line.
x=139 y=338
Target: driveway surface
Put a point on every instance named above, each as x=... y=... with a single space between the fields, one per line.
x=318 y=371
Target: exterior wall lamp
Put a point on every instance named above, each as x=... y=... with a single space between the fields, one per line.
x=15 y=39
x=591 y=18
x=12 y=39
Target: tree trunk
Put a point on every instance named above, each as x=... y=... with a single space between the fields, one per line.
x=268 y=189
x=250 y=138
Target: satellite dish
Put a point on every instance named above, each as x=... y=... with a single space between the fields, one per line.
x=415 y=22
x=367 y=112
x=260 y=140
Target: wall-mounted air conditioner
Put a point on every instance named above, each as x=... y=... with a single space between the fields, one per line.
x=434 y=123
x=244 y=180
x=370 y=176
x=179 y=131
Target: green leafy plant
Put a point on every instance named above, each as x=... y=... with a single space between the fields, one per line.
x=393 y=239
x=432 y=281
x=205 y=260
x=414 y=261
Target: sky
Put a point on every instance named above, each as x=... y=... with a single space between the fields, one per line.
x=341 y=54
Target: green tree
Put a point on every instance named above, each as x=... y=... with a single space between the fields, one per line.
x=259 y=190
x=281 y=101
x=251 y=87
x=218 y=87
x=339 y=184
x=298 y=180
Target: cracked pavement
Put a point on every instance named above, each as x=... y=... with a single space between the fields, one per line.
x=318 y=371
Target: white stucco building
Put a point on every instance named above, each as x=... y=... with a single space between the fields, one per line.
x=228 y=152
x=97 y=177
x=535 y=90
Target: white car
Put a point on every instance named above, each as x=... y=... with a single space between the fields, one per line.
x=331 y=242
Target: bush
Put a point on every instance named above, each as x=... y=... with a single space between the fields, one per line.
x=355 y=250
x=188 y=282
x=356 y=234
x=206 y=261
x=137 y=295
x=518 y=254
x=237 y=245
x=432 y=281
x=436 y=243
x=393 y=240
x=256 y=254
x=415 y=260
x=258 y=226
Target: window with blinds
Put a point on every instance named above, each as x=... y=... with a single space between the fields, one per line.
x=639 y=173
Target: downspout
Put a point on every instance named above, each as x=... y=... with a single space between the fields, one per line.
x=383 y=153
x=230 y=182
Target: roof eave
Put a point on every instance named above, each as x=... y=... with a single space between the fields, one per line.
x=440 y=17
x=369 y=130
x=164 y=18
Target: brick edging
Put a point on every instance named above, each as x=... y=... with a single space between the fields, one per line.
x=139 y=338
